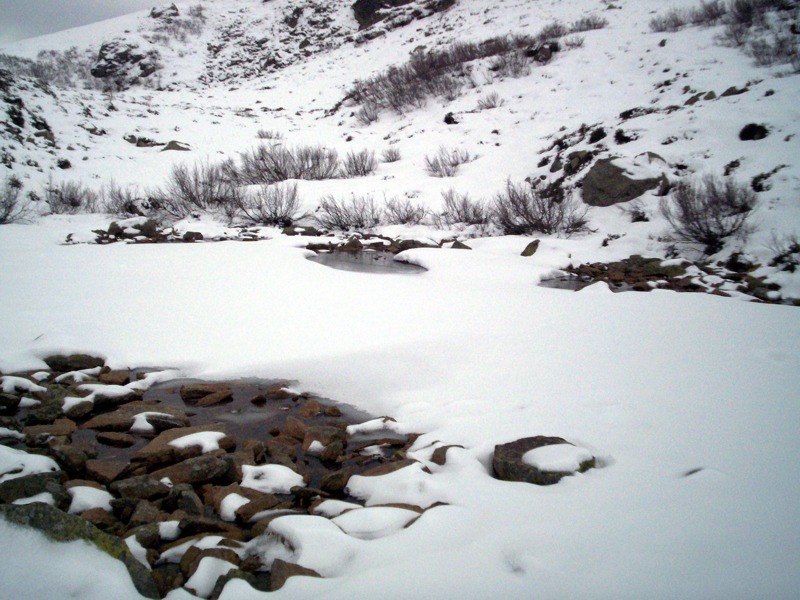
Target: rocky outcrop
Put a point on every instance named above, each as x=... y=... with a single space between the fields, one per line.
x=124 y=63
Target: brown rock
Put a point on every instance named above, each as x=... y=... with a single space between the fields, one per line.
x=115 y=377
x=191 y=526
x=116 y=439
x=122 y=418
x=159 y=451
x=145 y=514
x=309 y=408
x=336 y=481
x=216 y=398
x=294 y=428
x=105 y=471
x=80 y=410
x=195 y=470
x=281 y=571
x=102 y=519
x=84 y=483
x=71 y=457
x=439 y=456
x=142 y=487
x=332 y=451
x=333 y=411
x=60 y=427
x=265 y=502
x=192 y=392
x=324 y=434
x=389 y=467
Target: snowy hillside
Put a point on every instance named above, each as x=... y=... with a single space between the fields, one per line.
x=627 y=146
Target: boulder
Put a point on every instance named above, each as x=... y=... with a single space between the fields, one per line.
x=73 y=362
x=105 y=471
x=122 y=419
x=139 y=487
x=62 y=527
x=160 y=450
x=8 y=404
x=195 y=470
x=530 y=249
x=116 y=439
x=192 y=392
x=281 y=571
x=32 y=485
x=509 y=466
x=176 y=145
x=124 y=62
x=607 y=184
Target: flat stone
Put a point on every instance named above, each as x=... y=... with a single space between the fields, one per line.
x=201 y=525
x=309 y=408
x=216 y=398
x=59 y=427
x=439 y=456
x=140 y=487
x=294 y=428
x=116 y=439
x=389 y=467
x=105 y=471
x=122 y=418
x=159 y=451
x=195 y=470
x=195 y=391
x=324 y=434
x=73 y=362
x=264 y=502
x=115 y=377
x=32 y=485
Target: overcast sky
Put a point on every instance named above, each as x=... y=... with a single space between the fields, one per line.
x=20 y=19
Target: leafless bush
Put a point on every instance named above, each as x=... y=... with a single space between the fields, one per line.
x=70 y=198
x=359 y=212
x=575 y=41
x=202 y=187
x=776 y=47
x=391 y=154
x=523 y=209
x=635 y=210
x=403 y=212
x=511 y=64
x=368 y=113
x=276 y=204
x=708 y=210
x=588 y=23
x=122 y=202
x=181 y=28
x=552 y=31
x=709 y=12
x=13 y=208
x=461 y=209
x=786 y=252
x=672 y=20
x=269 y=134
x=267 y=164
x=359 y=164
x=69 y=68
x=445 y=162
x=489 y=101
x=436 y=73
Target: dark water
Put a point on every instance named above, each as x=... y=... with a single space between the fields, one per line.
x=365 y=261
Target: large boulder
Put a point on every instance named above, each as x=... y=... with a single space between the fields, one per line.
x=510 y=462
x=607 y=184
x=62 y=527
x=125 y=62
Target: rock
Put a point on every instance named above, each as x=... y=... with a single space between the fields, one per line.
x=439 y=456
x=195 y=470
x=105 y=471
x=324 y=434
x=140 y=487
x=122 y=418
x=71 y=457
x=124 y=62
x=80 y=410
x=168 y=577
x=310 y=408
x=73 y=362
x=332 y=451
x=282 y=570
x=145 y=514
x=59 y=427
x=32 y=485
x=295 y=428
x=115 y=377
x=103 y=520
x=192 y=525
x=215 y=398
x=193 y=556
x=165 y=12
x=175 y=145
x=246 y=512
x=508 y=464
x=607 y=184
x=116 y=439
x=62 y=527
x=460 y=246
x=159 y=451
x=191 y=392
x=183 y=497
x=531 y=248
x=753 y=132
x=9 y=404
x=45 y=413
x=449 y=119
x=336 y=481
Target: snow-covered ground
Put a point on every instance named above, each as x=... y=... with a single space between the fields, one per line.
x=689 y=401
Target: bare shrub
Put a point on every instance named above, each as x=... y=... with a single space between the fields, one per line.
x=276 y=204
x=267 y=164
x=588 y=23
x=391 y=154
x=672 y=20
x=461 y=209
x=359 y=164
x=122 y=202
x=489 y=101
x=13 y=208
x=786 y=252
x=359 y=212
x=70 y=198
x=269 y=134
x=445 y=162
x=776 y=47
x=635 y=211
x=523 y=209
x=575 y=41
x=709 y=12
x=511 y=64
x=552 y=31
x=708 y=210
x=202 y=187
x=403 y=212
x=368 y=113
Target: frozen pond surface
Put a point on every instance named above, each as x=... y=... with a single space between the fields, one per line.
x=366 y=262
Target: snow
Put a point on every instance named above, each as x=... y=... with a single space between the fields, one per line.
x=169 y=530
x=17 y=463
x=471 y=352
x=205 y=577
x=375 y=522
x=207 y=440
x=334 y=508
x=12 y=433
x=564 y=458
x=230 y=504
x=85 y=498
x=271 y=479
x=142 y=425
x=13 y=384
x=44 y=497
x=139 y=552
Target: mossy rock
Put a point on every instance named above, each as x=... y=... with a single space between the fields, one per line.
x=62 y=527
